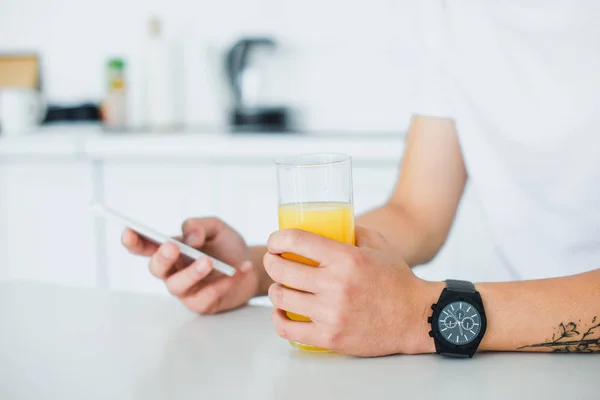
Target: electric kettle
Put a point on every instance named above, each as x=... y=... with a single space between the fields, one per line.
x=247 y=67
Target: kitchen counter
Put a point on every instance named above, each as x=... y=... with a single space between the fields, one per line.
x=89 y=141
x=67 y=343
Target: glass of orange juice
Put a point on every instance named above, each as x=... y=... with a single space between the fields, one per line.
x=315 y=195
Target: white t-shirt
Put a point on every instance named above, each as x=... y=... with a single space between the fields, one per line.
x=521 y=80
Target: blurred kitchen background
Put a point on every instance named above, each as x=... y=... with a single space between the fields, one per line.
x=341 y=65
x=171 y=109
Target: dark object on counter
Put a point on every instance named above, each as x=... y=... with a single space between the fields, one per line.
x=263 y=119
x=83 y=112
x=243 y=64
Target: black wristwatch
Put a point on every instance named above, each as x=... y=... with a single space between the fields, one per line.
x=458 y=322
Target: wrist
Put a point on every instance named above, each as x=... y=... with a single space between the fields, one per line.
x=427 y=294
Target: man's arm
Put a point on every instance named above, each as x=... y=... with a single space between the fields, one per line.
x=553 y=315
x=366 y=302
x=417 y=218
x=384 y=307
x=560 y=314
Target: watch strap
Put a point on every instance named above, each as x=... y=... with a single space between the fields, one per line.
x=460 y=286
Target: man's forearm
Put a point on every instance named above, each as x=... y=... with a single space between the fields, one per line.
x=552 y=315
x=403 y=232
x=561 y=314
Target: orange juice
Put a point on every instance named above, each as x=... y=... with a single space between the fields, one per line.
x=332 y=220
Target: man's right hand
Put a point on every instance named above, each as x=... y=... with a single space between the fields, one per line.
x=194 y=282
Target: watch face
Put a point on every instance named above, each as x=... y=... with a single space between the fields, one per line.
x=459 y=323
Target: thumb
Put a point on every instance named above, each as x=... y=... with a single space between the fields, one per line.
x=195 y=238
x=198 y=231
x=370 y=238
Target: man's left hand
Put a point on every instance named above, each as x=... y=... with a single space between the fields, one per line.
x=362 y=300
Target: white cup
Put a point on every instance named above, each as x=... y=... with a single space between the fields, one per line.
x=21 y=110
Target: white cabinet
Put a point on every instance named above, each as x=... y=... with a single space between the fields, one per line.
x=46 y=230
x=159 y=194
x=48 y=234
x=248 y=199
x=4 y=230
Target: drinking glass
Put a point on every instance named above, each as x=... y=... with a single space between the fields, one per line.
x=315 y=195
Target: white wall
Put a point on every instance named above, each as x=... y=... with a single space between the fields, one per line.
x=349 y=62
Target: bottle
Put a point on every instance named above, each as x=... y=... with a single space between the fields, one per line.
x=158 y=82
x=114 y=111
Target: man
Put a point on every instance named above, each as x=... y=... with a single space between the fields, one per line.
x=510 y=98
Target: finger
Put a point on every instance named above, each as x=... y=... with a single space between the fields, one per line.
x=197 y=231
x=209 y=298
x=307 y=244
x=137 y=244
x=295 y=301
x=302 y=332
x=370 y=238
x=293 y=274
x=214 y=275
x=163 y=261
x=182 y=281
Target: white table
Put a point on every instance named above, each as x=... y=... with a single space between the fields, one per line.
x=66 y=343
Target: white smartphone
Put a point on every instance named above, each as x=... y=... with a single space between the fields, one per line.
x=151 y=234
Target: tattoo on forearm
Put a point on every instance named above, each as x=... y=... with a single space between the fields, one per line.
x=569 y=339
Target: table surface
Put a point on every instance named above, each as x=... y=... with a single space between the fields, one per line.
x=71 y=343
